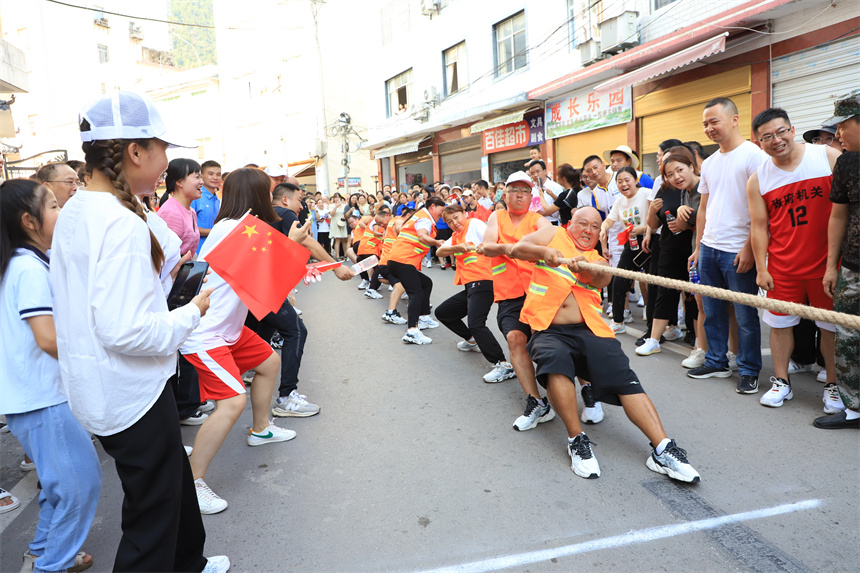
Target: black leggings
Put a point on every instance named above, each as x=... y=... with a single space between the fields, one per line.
x=474 y=302
x=621 y=286
x=442 y=235
x=671 y=266
x=324 y=240
x=381 y=272
x=417 y=285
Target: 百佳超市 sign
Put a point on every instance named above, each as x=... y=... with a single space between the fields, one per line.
x=525 y=133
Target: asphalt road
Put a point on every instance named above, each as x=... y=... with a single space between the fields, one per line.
x=413 y=465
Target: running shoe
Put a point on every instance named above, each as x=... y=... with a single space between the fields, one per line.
x=695 y=360
x=582 y=460
x=641 y=302
x=534 y=414
x=673 y=463
x=270 y=435
x=706 y=371
x=628 y=316
x=364 y=284
x=27 y=466
x=425 y=322
x=207 y=499
x=16 y=503
x=822 y=376
x=467 y=346
x=196 y=419
x=778 y=393
x=650 y=347
x=295 y=406
x=501 y=371
x=372 y=293
x=416 y=337
x=795 y=367
x=608 y=311
x=217 y=564
x=673 y=333
x=832 y=400
x=207 y=406
x=393 y=317
x=618 y=327
x=747 y=385
x=592 y=413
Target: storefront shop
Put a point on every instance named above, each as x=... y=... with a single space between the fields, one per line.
x=584 y=123
x=507 y=146
x=676 y=112
x=413 y=163
x=460 y=161
x=804 y=83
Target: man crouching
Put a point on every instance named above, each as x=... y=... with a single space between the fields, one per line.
x=570 y=339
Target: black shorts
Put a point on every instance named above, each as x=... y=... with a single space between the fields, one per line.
x=573 y=350
x=355 y=247
x=508 y=316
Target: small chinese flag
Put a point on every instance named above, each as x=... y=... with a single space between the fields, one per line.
x=261 y=264
x=624 y=235
x=482 y=213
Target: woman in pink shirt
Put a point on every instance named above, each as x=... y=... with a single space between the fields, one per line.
x=184 y=182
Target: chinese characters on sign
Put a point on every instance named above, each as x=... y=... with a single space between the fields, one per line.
x=353 y=181
x=586 y=111
x=528 y=132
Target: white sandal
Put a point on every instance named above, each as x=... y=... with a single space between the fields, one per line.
x=16 y=503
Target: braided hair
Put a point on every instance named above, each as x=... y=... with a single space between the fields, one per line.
x=106 y=156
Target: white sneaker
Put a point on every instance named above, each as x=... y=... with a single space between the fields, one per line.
x=390 y=288
x=682 y=323
x=272 y=434
x=27 y=466
x=778 y=393
x=795 y=367
x=582 y=460
x=404 y=296
x=371 y=293
x=467 y=346
x=633 y=297
x=217 y=564
x=393 y=317
x=628 y=316
x=832 y=400
x=534 y=414
x=645 y=314
x=641 y=302
x=364 y=284
x=608 y=310
x=428 y=264
x=592 y=411
x=501 y=372
x=618 y=327
x=295 y=406
x=195 y=419
x=425 y=322
x=696 y=359
x=188 y=450
x=208 y=501
x=650 y=347
x=673 y=333
x=822 y=376
x=733 y=360
x=415 y=336
x=207 y=406
x=673 y=463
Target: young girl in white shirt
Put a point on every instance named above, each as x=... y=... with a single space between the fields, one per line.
x=31 y=393
x=117 y=341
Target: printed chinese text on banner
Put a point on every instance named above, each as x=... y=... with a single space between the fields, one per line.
x=525 y=133
x=586 y=111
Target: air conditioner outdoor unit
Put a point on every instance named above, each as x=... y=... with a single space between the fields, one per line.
x=429 y=7
x=589 y=52
x=620 y=32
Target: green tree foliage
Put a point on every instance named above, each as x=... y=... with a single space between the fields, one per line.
x=198 y=12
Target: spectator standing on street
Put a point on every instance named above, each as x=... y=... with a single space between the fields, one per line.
x=183 y=184
x=723 y=253
x=842 y=279
x=207 y=205
x=339 y=232
x=61 y=179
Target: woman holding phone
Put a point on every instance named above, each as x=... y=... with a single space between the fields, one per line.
x=117 y=341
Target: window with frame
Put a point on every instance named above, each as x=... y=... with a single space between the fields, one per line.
x=399 y=90
x=511 y=53
x=571 y=22
x=104 y=54
x=456 y=65
x=661 y=3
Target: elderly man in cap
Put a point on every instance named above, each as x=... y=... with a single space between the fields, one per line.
x=825 y=135
x=842 y=280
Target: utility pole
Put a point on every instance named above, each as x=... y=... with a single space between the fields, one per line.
x=345 y=125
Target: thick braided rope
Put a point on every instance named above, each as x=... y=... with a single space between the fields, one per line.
x=781 y=306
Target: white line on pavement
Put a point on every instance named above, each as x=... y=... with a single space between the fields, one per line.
x=631 y=538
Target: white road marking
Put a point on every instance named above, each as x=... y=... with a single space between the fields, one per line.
x=631 y=538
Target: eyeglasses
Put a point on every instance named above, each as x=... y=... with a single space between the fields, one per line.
x=826 y=140
x=779 y=133
x=69 y=182
x=519 y=192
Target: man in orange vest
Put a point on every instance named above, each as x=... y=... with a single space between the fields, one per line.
x=371 y=242
x=404 y=262
x=571 y=339
x=511 y=279
x=380 y=273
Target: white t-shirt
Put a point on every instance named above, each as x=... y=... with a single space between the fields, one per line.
x=426 y=223
x=223 y=323
x=633 y=210
x=116 y=339
x=724 y=180
x=474 y=233
x=29 y=377
x=486 y=202
x=170 y=245
x=323 y=225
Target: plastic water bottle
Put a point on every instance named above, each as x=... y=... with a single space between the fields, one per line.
x=669 y=218
x=694 y=275
x=364 y=265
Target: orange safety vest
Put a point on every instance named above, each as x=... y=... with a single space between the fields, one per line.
x=387 y=242
x=550 y=286
x=471 y=266
x=358 y=232
x=370 y=243
x=511 y=277
x=408 y=248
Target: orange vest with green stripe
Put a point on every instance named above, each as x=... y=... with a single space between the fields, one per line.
x=550 y=286
x=408 y=248
x=511 y=277
x=471 y=267
x=387 y=242
x=370 y=244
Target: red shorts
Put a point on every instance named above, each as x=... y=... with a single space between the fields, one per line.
x=220 y=370
x=802 y=291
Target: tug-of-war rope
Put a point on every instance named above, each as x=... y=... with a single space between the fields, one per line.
x=774 y=305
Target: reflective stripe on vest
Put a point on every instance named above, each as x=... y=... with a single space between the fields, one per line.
x=471 y=267
x=408 y=248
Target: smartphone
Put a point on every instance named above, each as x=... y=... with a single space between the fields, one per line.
x=187 y=285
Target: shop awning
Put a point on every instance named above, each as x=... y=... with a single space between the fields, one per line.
x=680 y=59
x=409 y=146
x=499 y=120
x=305 y=170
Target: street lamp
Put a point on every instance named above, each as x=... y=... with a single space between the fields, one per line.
x=375 y=183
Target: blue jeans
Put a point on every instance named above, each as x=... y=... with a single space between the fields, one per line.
x=717 y=268
x=71 y=479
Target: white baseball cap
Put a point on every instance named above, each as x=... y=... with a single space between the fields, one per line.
x=519 y=177
x=125 y=115
x=276 y=171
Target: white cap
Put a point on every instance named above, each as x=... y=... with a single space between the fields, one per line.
x=625 y=149
x=519 y=176
x=125 y=115
x=276 y=171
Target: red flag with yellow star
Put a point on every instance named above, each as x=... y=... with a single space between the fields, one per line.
x=261 y=264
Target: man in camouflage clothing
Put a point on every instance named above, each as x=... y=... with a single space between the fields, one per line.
x=842 y=282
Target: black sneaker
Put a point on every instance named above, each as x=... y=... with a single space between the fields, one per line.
x=710 y=372
x=690 y=339
x=748 y=385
